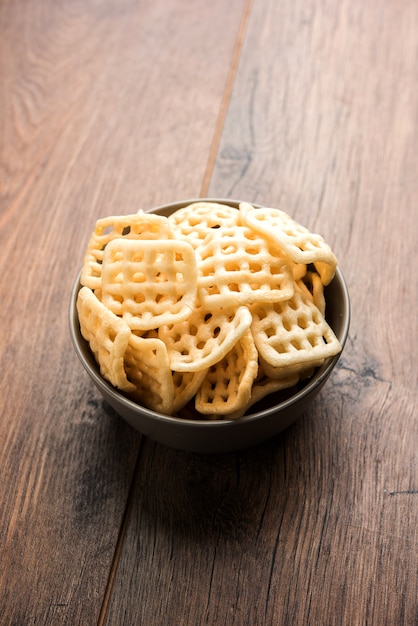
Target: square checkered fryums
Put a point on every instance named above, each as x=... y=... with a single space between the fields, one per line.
x=108 y=336
x=137 y=226
x=186 y=384
x=237 y=266
x=311 y=285
x=263 y=387
x=205 y=337
x=195 y=221
x=228 y=383
x=300 y=244
x=292 y=332
x=149 y=283
x=146 y=365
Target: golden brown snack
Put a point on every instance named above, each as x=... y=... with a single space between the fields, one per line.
x=195 y=221
x=138 y=226
x=186 y=385
x=292 y=333
x=263 y=387
x=147 y=367
x=108 y=336
x=237 y=266
x=149 y=283
x=301 y=245
x=227 y=385
x=204 y=338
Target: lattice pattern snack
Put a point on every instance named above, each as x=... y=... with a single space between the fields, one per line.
x=205 y=337
x=108 y=336
x=292 y=333
x=204 y=313
x=147 y=367
x=195 y=221
x=237 y=266
x=301 y=245
x=149 y=283
x=139 y=226
x=228 y=384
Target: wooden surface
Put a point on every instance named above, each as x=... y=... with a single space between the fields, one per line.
x=106 y=107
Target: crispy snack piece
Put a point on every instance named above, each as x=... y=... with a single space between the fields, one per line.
x=186 y=385
x=149 y=283
x=299 y=270
x=292 y=332
x=227 y=385
x=194 y=221
x=108 y=337
x=204 y=338
x=238 y=266
x=147 y=367
x=263 y=387
x=300 y=370
x=301 y=245
x=312 y=286
x=138 y=226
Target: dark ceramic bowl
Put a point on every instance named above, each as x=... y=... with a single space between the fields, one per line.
x=269 y=417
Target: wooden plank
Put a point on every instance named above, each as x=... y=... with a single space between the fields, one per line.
x=316 y=526
x=332 y=143
x=319 y=525
x=106 y=107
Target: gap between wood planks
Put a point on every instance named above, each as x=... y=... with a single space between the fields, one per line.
x=204 y=189
x=119 y=543
x=226 y=98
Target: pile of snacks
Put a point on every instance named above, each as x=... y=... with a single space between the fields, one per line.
x=213 y=305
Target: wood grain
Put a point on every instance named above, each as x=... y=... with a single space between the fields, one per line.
x=319 y=525
x=106 y=107
x=111 y=106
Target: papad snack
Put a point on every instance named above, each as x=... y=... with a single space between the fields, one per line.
x=237 y=266
x=300 y=244
x=227 y=386
x=149 y=283
x=204 y=338
x=139 y=226
x=108 y=336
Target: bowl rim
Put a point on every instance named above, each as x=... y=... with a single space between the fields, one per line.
x=118 y=396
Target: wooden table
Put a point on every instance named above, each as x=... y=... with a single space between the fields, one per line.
x=108 y=107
